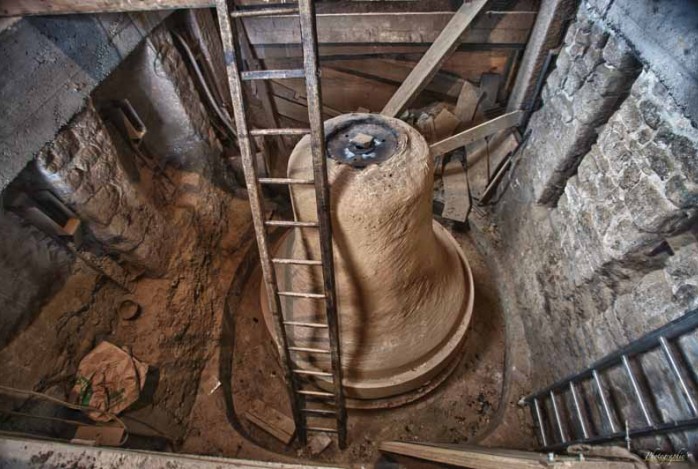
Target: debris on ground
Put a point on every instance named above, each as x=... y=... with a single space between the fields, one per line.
x=110 y=379
x=271 y=421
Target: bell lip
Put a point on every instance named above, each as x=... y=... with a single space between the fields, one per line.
x=409 y=385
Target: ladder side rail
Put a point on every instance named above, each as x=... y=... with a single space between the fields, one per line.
x=322 y=198
x=231 y=56
x=657 y=429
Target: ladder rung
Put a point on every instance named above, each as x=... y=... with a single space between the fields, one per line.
x=295 y=294
x=316 y=325
x=297 y=261
x=264 y=12
x=315 y=393
x=273 y=74
x=312 y=373
x=286 y=131
x=285 y=181
x=297 y=224
x=321 y=429
x=309 y=350
x=319 y=411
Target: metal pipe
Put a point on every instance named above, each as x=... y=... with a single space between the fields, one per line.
x=674 y=367
x=558 y=420
x=578 y=409
x=636 y=390
x=539 y=417
x=604 y=402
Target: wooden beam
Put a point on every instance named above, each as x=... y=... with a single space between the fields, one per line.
x=439 y=51
x=476 y=133
x=395 y=71
x=475 y=457
x=391 y=28
x=64 y=7
x=546 y=34
x=456 y=200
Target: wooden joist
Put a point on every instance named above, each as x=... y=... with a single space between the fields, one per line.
x=439 y=51
x=474 y=457
x=476 y=133
x=391 y=28
x=64 y=7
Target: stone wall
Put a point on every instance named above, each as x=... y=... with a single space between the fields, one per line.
x=593 y=72
x=45 y=266
x=599 y=223
x=51 y=64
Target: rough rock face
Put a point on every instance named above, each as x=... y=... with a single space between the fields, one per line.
x=593 y=72
x=600 y=224
x=45 y=267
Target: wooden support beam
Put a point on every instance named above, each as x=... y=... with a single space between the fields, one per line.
x=546 y=35
x=477 y=457
x=476 y=133
x=65 y=7
x=439 y=51
x=510 y=28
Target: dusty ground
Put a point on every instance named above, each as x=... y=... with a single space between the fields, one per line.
x=175 y=334
x=456 y=412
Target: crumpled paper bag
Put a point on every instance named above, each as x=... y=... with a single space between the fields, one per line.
x=108 y=378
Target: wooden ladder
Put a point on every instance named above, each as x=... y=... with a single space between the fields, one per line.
x=293 y=373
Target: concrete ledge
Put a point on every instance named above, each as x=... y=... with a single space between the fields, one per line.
x=51 y=66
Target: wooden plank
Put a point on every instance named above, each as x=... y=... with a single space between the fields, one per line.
x=439 y=51
x=271 y=421
x=467 y=104
x=64 y=7
x=345 y=92
x=391 y=28
x=456 y=201
x=396 y=71
x=480 y=171
x=474 y=457
x=489 y=89
x=201 y=24
x=444 y=124
x=480 y=131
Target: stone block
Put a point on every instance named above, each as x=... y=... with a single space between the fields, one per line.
x=682 y=193
x=651 y=211
x=610 y=81
x=650 y=113
x=630 y=115
x=657 y=158
x=563 y=62
x=599 y=35
x=590 y=107
x=618 y=54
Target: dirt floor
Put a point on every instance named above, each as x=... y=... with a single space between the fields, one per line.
x=456 y=412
